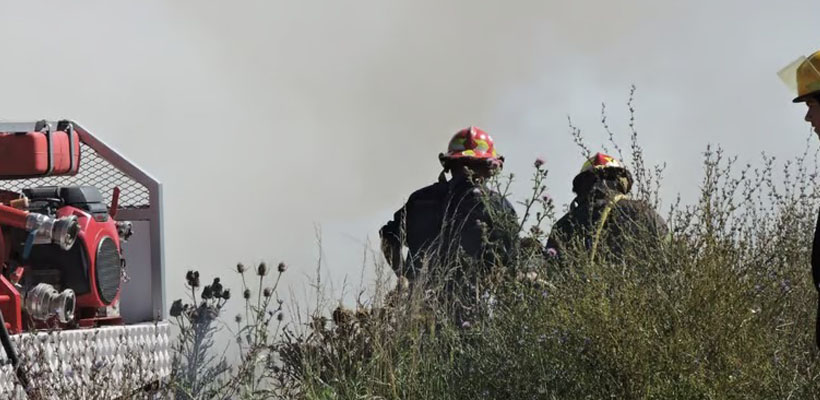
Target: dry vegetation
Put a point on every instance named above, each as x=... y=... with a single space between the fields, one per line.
x=725 y=310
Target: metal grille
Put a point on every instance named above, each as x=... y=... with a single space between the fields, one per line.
x=108 y=270
x=94 y=171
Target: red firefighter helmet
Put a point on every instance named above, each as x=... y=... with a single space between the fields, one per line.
x=602 y=163
x=472 y=144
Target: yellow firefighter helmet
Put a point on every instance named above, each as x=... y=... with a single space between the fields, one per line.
x=803 y=77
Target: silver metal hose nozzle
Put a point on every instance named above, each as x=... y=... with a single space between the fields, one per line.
x=65 y=232
x=43 y=302
x=60 y=231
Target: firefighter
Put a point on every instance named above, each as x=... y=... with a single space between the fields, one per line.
x=602 y=219
x=453 y=218
x=803 y=76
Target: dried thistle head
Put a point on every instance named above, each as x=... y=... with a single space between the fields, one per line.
x=176 y=308
x=262 y=269
x=216 y=288
x=192 y=277
x=207 y=292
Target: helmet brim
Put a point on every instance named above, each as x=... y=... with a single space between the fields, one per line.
x=469 y=157
x=491 y=162
x=806 y=97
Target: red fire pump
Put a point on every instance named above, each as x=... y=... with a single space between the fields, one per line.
x=60 y=246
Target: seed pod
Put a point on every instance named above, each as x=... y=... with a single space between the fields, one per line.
x=193 y=278
x=262 y=270
x=216 y=287
x=207 y=293
x=176 y=308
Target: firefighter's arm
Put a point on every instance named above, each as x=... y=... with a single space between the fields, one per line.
x=393 y=240
x=508 y=224
x=561 y=232
x=658 y=236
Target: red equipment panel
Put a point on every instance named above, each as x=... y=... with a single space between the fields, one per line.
x=92 y=237
x=39 y=154
x=11 y=306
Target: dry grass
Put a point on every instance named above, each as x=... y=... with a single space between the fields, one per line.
x=724 y=310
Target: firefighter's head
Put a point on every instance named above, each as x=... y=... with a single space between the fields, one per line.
x=803 y=76
x=471 y=151
x=601 y=175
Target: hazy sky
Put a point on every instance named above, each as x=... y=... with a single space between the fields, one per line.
x=266 y=118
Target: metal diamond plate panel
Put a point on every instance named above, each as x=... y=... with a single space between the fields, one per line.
x=90 y=363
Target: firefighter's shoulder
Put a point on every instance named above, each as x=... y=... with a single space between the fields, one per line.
x=431 y=192
x=636 y=209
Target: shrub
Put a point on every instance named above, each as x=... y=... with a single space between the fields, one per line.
x=724 y=309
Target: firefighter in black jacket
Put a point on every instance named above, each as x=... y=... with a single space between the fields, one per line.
x=803 y=75
x=452 y=218
x=603 y=220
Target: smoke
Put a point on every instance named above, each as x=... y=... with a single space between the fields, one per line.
x=266 y=118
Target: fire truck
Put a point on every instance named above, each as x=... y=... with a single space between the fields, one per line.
x=81 y=260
